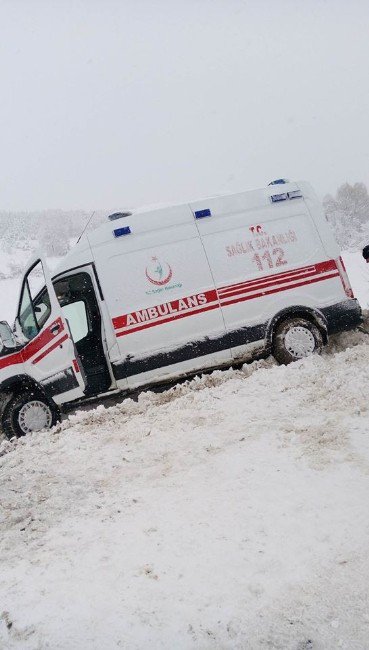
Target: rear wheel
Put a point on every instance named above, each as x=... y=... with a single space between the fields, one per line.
x=295 y=339
x=28 y=413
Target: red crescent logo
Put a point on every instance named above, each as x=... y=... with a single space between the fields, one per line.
x=160 y=283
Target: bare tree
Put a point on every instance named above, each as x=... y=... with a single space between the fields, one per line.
x=53 y=237
x=348 y=213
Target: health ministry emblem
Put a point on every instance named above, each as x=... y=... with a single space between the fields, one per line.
x=158 y=273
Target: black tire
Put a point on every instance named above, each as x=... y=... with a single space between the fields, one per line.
x=17 y=417
x=295 y=339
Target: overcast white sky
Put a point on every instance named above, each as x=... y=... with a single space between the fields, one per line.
x=114 y=104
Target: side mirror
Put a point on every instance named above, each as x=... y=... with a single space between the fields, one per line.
x=366 y=253
x=7 y=339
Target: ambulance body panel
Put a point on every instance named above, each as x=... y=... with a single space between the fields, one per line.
x=154 y=314
x=266 y=258
x=156 y=295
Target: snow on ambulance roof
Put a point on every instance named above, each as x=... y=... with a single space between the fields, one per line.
x=170 y=214
x=250 y=198
x=151 y=218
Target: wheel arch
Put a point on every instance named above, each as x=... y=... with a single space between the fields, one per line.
x=17 y=384
x=298 y=311
x=13 y=387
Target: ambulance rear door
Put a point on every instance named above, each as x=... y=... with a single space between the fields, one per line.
x=265 y=256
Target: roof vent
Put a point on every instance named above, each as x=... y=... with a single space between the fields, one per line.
x=119 y=215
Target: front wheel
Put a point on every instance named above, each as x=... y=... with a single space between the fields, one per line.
x=28 y=412
x=295 y=339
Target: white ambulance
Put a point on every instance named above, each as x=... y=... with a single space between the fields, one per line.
x=170 y=292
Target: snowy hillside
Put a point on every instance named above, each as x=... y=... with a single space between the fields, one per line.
x=23 y=233
x=226 y=513
x=229 y=510
x=10 y=287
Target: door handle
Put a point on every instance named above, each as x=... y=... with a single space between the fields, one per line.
x=55 y=329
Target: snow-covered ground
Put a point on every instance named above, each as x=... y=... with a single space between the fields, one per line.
x=229 y=512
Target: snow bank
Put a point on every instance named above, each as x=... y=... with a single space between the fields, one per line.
x=12 y=267
x=9 y=296
x=228 y=512
x=358 y=272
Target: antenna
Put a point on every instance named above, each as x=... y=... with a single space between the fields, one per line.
x=86 y=226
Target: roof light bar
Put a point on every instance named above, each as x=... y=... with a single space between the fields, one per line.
x=296 y=194
x=200 y=214
x=278 y=197
x=121 y=232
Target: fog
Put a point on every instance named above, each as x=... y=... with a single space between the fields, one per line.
x=108 y=105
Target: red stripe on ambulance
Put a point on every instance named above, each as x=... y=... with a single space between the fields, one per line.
x=224 y=296
x=268 y=292
x=10 y=360
x=166 y=311
x=50 y=349
x=35 y=346
x=42 y=340
x=278 y=278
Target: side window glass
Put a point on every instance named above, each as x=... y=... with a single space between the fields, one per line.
x=42 y=308
x=34 y=307
x=26 y=315
x=76 y=315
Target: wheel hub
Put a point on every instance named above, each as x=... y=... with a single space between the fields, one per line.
x=299 y=342
x=34 y=416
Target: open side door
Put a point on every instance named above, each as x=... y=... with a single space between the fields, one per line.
x=49 y=353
